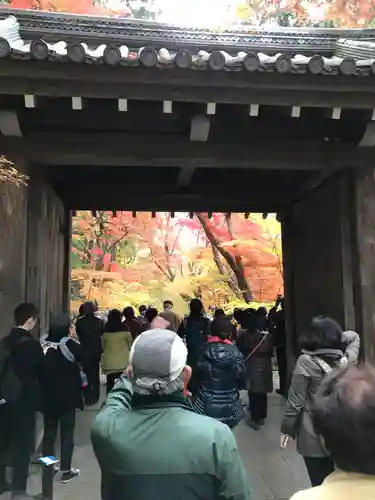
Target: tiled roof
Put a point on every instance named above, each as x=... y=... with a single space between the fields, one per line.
x=136 y=33
x=12 y=45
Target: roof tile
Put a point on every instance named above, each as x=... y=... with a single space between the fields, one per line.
x=12 y=45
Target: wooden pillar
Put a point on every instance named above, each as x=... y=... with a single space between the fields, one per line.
x=289 y=292
x=67 y=261
x=317 y=248
x=363 y=242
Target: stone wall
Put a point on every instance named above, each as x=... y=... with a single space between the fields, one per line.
x=32 y=250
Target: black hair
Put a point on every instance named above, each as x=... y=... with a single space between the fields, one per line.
x=219 y=313
x=344 y=416
x=89 y=308
x=196 y=306
x=151 y=314
x=59 y=327
x=167 y=303
x=142 y=309
x=23 y=312
x=262 y=311
x=323 y=333
x=252 y=320
x=221 y=327
x=114 y=323
x=237 y=314
x=129 y=312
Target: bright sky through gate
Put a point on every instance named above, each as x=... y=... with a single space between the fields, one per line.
x=198 y=13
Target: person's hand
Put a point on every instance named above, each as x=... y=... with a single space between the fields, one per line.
x=284 y=439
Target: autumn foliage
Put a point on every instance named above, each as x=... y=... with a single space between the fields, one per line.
x=71 y=6
x=302 y=13
x=9 y=173
x=224 y=259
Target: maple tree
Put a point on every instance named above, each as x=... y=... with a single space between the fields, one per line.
x=245 y=252
x=300 y=13
x=142 y=251
x=224 y=259
x=124 y=8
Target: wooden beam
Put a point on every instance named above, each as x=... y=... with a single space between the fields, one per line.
x=185 y=175
x=101 y=199
x=9 y=124
x=368 y=139
x=199 y=128
x=313 y=183
x=112 y=149
x=43 y=78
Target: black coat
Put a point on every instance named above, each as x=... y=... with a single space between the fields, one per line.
x=60 y=381
x=89 y=332
x=27 y=356
x=220 y=373
x=259 y=365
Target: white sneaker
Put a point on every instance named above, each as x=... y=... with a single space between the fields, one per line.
x=68 y=476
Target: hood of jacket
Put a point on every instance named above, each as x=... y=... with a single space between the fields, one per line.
x=331 y=356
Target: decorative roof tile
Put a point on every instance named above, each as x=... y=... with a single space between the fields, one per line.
x=359 y=58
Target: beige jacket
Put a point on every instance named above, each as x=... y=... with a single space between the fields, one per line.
x=341 y=486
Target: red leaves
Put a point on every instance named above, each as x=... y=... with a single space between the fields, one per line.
x=22 y=4
x=254 y=248
x=151 y=253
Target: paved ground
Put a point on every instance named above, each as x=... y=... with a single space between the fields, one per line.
x=275 y=474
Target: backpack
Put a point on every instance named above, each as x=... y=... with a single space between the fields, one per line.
x=10 y=383
x=52 y=347
x=325 y=367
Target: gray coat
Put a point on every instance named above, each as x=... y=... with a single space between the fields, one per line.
x=307 y=377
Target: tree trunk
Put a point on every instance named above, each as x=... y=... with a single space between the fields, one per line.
x=235 y=263
x=217 y=259
x=224 y=272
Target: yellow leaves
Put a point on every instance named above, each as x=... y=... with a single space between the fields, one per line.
x=9 y=173
x=244 y=11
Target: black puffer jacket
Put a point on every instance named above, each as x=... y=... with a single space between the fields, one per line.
x=220 y=373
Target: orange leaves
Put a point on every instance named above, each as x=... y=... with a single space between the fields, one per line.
x=160 y=256
x=256 y=246
x=22 y=4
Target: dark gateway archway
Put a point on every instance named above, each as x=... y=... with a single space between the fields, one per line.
x=193 y=122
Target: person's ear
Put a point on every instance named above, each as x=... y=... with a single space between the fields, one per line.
x=129 y=372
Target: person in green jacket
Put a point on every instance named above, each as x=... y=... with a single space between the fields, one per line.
x=151 y=444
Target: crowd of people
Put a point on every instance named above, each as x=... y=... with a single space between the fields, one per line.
x=174 y=396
